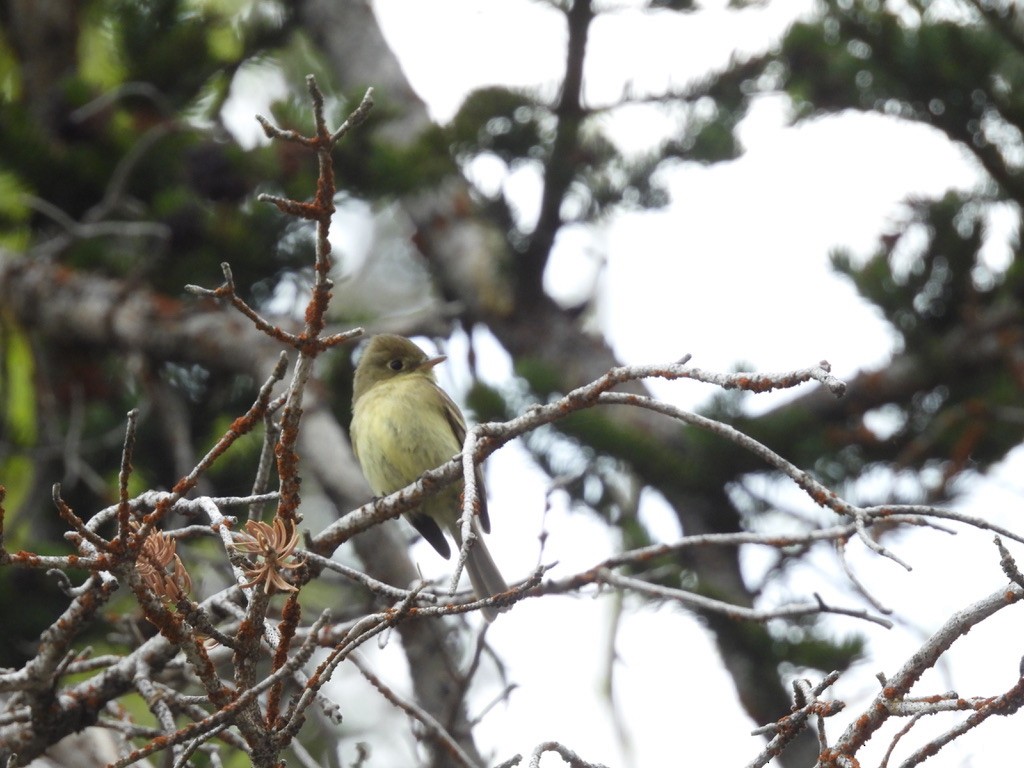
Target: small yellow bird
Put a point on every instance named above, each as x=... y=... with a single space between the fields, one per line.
x=403 y=424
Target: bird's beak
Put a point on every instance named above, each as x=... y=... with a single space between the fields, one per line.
x=430 y=362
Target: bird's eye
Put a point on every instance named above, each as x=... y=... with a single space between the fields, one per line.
x=395 y=365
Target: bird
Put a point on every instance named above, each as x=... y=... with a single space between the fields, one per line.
x=404 y=424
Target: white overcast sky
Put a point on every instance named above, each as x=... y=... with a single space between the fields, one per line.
x=736 y=268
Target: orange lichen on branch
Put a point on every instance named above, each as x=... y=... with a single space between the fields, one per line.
x=325 y=186
x=315 y=312
x=823 y=496
x=290 y=617
x=21 y=557
x=161 y=508
x=308 y=211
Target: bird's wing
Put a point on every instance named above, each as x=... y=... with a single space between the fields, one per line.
x=458 y=425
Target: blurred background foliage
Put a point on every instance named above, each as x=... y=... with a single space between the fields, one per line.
x=115 y=161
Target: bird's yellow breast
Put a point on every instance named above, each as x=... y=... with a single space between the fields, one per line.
x=399 y=430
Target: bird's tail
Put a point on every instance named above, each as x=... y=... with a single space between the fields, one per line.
x=484 y=575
